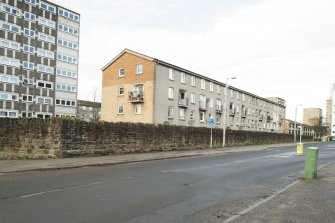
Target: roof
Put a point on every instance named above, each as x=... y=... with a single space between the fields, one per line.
x=187 y=72
x=126 y=51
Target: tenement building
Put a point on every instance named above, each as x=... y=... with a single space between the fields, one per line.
x=305 y=130
x=38 y=59
x=139 y=88
x=312 y=116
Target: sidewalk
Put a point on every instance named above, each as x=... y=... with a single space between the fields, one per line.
x=8 y=166
x=306 y=202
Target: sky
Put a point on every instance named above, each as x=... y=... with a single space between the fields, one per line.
x=280 y=48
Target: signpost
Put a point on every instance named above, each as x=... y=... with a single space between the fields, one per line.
x=300 y=149
x=211 y=123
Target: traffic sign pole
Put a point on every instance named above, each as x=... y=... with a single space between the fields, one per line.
x=211 y=123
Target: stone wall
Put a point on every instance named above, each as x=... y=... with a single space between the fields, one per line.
x=36 y=139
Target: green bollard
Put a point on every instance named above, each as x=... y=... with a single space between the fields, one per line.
x=311 y=163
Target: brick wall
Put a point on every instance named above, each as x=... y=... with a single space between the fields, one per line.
x=36 y=139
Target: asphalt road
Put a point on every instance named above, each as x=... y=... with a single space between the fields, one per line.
x=193 y=189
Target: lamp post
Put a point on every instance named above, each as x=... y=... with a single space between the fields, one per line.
x=225 y=112
x=295 y=123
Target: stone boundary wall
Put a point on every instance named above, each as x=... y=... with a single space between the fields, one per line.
x=57 y=138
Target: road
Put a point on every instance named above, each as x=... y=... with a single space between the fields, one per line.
x=193 y=189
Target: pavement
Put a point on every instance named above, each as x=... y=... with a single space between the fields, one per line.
x=9 y=166
x=302 y=201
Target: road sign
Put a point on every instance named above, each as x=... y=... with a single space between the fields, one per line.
x=300 y=149
x=211 y=121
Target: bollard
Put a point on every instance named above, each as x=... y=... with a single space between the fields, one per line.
x=311 y=163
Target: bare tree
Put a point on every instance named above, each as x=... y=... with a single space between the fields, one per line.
x=90 y=110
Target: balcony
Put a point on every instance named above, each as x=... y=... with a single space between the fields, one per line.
x=183 y=102
x=136 y=97
x=219 y=109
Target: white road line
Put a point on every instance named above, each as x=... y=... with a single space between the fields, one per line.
x=60 y=189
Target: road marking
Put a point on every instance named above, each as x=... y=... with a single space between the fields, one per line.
x=239 y=161
x=60 y=189
x=252 y=207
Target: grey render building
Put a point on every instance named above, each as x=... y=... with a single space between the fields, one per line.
x=38 y=59
x=139 y=88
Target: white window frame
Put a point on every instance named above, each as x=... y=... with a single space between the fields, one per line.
x=182 y=114
x=211 y=86
x=8 y=113
x=170 y=112
x=10 y=27
x=66 y=73
x=211 y=102
x=68 y=14
x=120 y=110
x=120 y=73
x=10 y=44
x=202 y=116
x=138 y=109
x=29 y=98
x=13 y=10
x=171 y=93
x=218 y=89
x=67 y=43
x=30 y=16
x=139 y=68
x=4 y=78
x=193 y=80
x=9 y=61
x=119 y=91
x=28 y=49
x=203 y=84
x=50 y=8
x=171 y=74
x=29 y=33
x=28 y=65
x=192 y=98
x=46 y=22
x=182 y=77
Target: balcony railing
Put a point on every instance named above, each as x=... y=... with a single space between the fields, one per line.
x=219 y=109
x=183 y=102
x=232 y=111
x=136 y=97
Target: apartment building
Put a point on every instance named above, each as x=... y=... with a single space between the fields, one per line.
x=88 y=111
x=312 y=116
x=139 y=88
x=306 y=129
x=38 y=59
x=332 y=114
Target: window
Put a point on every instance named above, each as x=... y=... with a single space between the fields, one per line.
x=170 y=93
x=218 y=105
x=44 y=84
x=64 y=102
x=66 y=73
x=139 y=69
x=41 y=100
x=202 y=102
x=30 y=16
x=29 y=33
x=68 y=44
x=47 y=7
x=68 y=14
x=11 y=10
x=218 y=89
x=68 y=29
x=182 y=113
x=27 y=98
x=243 y=97
x=9 y=44
x=120 y=110
x=28 y=49
x=237 y=95
x=203 y=84
x=192 y=116
x=8 y=96
x=192 y=98
x=8 y=113
x=43 y=115
x=193 y=81
x=170 y=112
x=121 y=72
x=231 y=93
x=28 y=65
x=27 y=81
x=46 y=38
x=182 y=78
x=202 y=116
x=47 y=22
x=211 y=86
x=9 y=61
x=210 y=103
x=45 y=53
x=68 y=59
x=121 y=91
x=10 y=27
x=33 y=2
x=138 y=109
x=45 y=69
x=64 y=87
x=8 y=79
x=171 y=74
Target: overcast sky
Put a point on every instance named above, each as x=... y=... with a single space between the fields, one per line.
x=283 y=48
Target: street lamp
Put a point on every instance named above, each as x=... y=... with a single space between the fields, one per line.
x=225 y=112
x=295 y=123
